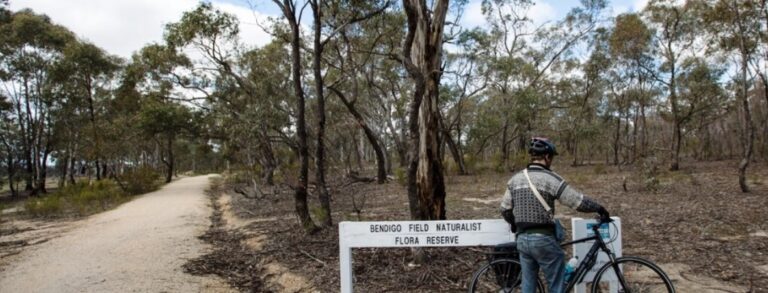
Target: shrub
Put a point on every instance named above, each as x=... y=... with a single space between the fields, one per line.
x=45 y=206
x=238 y=177
x=470 y=161
x=599 y=169
x=317 y=213
x=216 y=183
x=140 y=180
x=649 y=173
x=520 y=160
x=80 y=198
x=401 y=176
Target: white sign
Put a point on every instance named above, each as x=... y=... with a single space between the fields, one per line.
x=415 y=234
x=611 y=234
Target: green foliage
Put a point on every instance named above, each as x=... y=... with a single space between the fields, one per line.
x=318 y=214
x=166 y=118
x=216 y=183
x=401 y=175
x=239 y=177
x=46 y=206
x=520 y=160
x=140 y=180
x=470 y=161
x=450 y=166
x=205 y=22
x=631 y=37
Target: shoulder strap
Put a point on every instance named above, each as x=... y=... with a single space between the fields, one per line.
x=536 y=191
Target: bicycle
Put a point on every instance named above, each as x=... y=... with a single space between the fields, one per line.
x=502 y=272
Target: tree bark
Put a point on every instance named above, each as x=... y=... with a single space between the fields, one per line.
x=10 y=166
x=27 y=137
x=268 y=158
x=322 y=188
x=422 y=52
x=616 y=142
x=169 y=164
x=749 y=130
x=300 y=193
x=455 y=152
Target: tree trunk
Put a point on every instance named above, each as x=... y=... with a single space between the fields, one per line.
x=422 y=51
x=14 y=192
x=455 y=152
x=268 y=162
x=322 y=188
x=502 y=165
x=65 y=165
x=72 y=170
x=27 y=136
x=300 y=194
x=169 y=163
x=43 y=172
x=616 y=142
x=676 y=142
x=749 y=130
x=381 y=174
x=11 y=170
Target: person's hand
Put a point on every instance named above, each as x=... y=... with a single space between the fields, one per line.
x=605 y=217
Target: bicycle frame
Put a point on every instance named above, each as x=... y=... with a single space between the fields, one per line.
x=591 y=257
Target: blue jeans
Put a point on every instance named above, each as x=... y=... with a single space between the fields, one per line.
x=541 y=251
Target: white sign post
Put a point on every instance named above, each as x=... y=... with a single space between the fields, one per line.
x=582 y=228
x=415 y=234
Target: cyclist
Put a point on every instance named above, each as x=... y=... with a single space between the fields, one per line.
x=533 y=224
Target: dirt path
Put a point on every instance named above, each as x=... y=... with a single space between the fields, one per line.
x=138 y=247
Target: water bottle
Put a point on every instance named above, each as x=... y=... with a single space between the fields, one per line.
x=570 y=268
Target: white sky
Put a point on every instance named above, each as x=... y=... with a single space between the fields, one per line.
x=124 y=26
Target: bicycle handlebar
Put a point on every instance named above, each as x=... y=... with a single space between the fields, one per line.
x=602 y=221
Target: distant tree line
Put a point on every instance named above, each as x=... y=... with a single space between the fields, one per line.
x=400 y=86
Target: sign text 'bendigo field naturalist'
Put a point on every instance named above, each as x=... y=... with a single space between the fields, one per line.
x=415 y=234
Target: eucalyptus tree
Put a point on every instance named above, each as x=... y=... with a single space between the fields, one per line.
x=422 y=58
x=592 y=90
x=30 y=44
x=736 y=27
x=370 y=49
x=523 y=56
x=467 y=79
x=10 y=148
x=703 y=99
x=630 y=46
x=215 y=34
x=336 y=17
x=292 y=15
x=675 y=36
x=92 y=71
x=164 y=122
x=356 y=55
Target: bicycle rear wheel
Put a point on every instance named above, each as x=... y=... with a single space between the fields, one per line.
x=636 y=275
x=501 y=275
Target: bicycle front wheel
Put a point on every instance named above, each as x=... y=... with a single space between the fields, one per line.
x=632 y=274
x=501 y=275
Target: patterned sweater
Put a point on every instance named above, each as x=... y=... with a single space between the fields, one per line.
x=528 y=211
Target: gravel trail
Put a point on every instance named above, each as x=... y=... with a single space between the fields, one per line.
x=138 y=247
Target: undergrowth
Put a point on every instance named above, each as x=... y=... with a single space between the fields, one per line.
x=78 y=199
x=86 y=198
